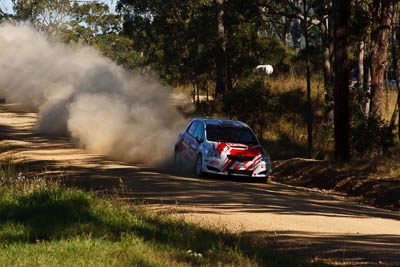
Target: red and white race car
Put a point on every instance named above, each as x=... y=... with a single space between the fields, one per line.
x=224 y=147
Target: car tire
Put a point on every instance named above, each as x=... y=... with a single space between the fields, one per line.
x=177 y=162
x=198 y=168
x=264 y=180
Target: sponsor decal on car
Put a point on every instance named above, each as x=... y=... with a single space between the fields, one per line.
x=239 y=157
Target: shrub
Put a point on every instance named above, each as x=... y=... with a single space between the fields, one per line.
x=370 y=136
x=248 y=102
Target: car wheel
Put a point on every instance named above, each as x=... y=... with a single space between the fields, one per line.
x=199 y=166
x=264 y=180
x=177 y=162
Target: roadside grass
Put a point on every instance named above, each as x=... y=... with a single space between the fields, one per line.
x=43 y=223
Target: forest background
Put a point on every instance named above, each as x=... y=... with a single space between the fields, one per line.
x=334 y=90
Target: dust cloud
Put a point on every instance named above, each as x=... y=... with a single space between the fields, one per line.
x=79 y=93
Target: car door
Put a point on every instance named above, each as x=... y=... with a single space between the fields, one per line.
x=189 y=142
x=198 y=139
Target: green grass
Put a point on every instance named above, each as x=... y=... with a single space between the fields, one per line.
x=43 y=223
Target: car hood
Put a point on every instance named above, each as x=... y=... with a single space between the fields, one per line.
x=238 y=149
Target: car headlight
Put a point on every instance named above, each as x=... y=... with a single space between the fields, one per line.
x=211 y=153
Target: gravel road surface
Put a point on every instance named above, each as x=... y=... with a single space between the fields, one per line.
x=295 y=220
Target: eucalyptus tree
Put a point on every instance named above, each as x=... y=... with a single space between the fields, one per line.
x=223 y=81
x=381 y=21
x=370 y=29
x=194 y=41
x=305 y=12
x=45 y=16
x=360 y=35
x=92 y=23
x=394 y=50
x=89 y=20
x=81 y=22
x=174 y=36
x=341 y=15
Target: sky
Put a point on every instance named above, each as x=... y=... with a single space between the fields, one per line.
x=6 y=5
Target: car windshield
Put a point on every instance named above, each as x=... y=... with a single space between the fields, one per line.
x=230 y=134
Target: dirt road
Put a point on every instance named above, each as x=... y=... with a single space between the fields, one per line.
x=294 y=219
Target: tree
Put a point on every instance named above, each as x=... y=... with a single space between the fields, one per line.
x=89 y=20
x=341 y=18
x=174 y=36
x=395 y=67
x=92 y=23
x=360 y=29
x=323 y=11
x=304 y=11
x=381 y=21
x=88 y=23
x=45 y=16
x=223 y=79
x=181 y=40
x=4 y=15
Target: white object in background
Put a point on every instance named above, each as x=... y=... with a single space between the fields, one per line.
x=268 y=69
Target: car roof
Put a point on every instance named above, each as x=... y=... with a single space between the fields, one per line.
x=220 y=122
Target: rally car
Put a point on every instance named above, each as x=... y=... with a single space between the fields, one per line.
x=223 y=147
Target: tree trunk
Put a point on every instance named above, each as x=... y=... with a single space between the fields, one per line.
x=286 y=29
x=207 y=93
x=331 y=44
x=368 y=93
x=395 y=68
x=360 y=65
x=360 y=78
x=194 y=92
x=386 y=84
x=198 y=91
x=309 y=115
x=327 y=70
x=220 y=60
x=381 y=21
x=295 y=32
x=341 y=15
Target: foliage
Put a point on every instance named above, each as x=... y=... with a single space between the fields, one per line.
x=248 y=103
x=360 y=20
x=91 y=23
x=298 y=61
x=174 y=36
x=46 y=16
x=87 y=23
x=180 y=40
x=370 y=135
x=276 y=112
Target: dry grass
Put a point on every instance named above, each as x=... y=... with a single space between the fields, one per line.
x=375 y=181
x=286 y=135
x=289 y=128
x=389 y=103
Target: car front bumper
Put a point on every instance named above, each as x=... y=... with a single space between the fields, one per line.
x=257 y=168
